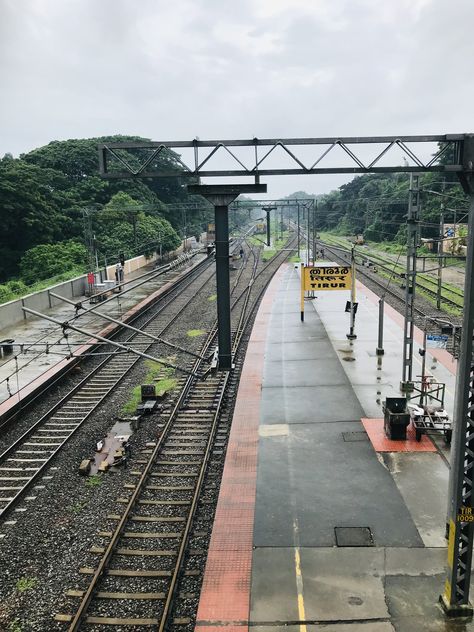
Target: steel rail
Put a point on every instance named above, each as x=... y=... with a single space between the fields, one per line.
x=421 y=285
x=113 y=544
x=152 y=274
x=383 y=286
x=131 y=328
x=102 y=566
x=423 y=274
x=41 y=391
x=18 y=443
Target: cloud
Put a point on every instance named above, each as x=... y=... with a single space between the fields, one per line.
x=219 y=68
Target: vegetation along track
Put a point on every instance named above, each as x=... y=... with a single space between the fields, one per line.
x=133 y=586
x=25 y=460
x=452 y=297
x=392 y=290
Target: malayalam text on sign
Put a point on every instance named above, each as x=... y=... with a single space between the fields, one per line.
x=327 y=278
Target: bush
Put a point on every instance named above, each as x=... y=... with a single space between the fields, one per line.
x=11 y=289
x=47 y=260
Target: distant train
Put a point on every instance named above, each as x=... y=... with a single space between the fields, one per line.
x=359 y=240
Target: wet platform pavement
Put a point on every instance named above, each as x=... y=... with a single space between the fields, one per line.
x=318 y=527
x=22 y=372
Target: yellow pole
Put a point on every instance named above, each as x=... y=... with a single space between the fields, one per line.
x=351 y=335
x=302 y=292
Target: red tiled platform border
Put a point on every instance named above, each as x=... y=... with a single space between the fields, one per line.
x=61 y=367
x=380 y=443
x=441 y=355
x=225 y=595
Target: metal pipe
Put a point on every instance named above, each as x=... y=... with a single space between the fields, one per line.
x=154 y=273
x=423 y=369
x=314 y=230
x=406 y=383
x=131 y=328
x=66 y=325
x=308 y=239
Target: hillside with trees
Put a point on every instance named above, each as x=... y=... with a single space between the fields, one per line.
x=51 y=196
x=375 y=205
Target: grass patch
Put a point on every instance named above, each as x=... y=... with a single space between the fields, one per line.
x=257 y=240
x=268 y=254
x=156 y=373
x=193 y=333
x=165 y=385
x=94 y=481
x=294 y=259
x=15 y=626
x=26 y=583
x=213 y=297
x=135 y=398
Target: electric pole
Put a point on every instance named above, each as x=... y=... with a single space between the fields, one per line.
x=406 y=383
x=315 y=206
x=440 y=252
x=440 y=257
x=298 y=230
x=309 y=233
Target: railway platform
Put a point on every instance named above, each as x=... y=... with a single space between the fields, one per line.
x=323 y=523
x=22 y=373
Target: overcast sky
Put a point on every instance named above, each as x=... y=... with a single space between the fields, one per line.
x=234 y=69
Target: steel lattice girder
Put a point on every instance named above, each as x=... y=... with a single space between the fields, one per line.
x=140 y=159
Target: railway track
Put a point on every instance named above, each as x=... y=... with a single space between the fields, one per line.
x=24 y=462
x=140 y=559
x=424 y=283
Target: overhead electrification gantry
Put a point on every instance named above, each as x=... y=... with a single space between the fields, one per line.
x=259 y=157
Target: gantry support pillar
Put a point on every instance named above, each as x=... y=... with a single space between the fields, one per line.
x=455 y=599
x=220 y=196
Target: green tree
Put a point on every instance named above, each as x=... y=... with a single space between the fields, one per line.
x=31 y=203
x=47 y=260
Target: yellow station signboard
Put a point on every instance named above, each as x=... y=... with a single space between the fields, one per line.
x=322 y=277
x=326 y=277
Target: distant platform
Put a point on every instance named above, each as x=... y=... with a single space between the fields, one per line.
x=36 y=369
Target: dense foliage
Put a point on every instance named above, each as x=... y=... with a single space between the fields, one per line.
x=56 y=210
x=375 y=205
x=48 y=260
x=54 y=194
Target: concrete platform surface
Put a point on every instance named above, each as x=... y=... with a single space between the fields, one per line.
x=343 y=537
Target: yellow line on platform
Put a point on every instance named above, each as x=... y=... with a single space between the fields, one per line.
x=299 y=581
